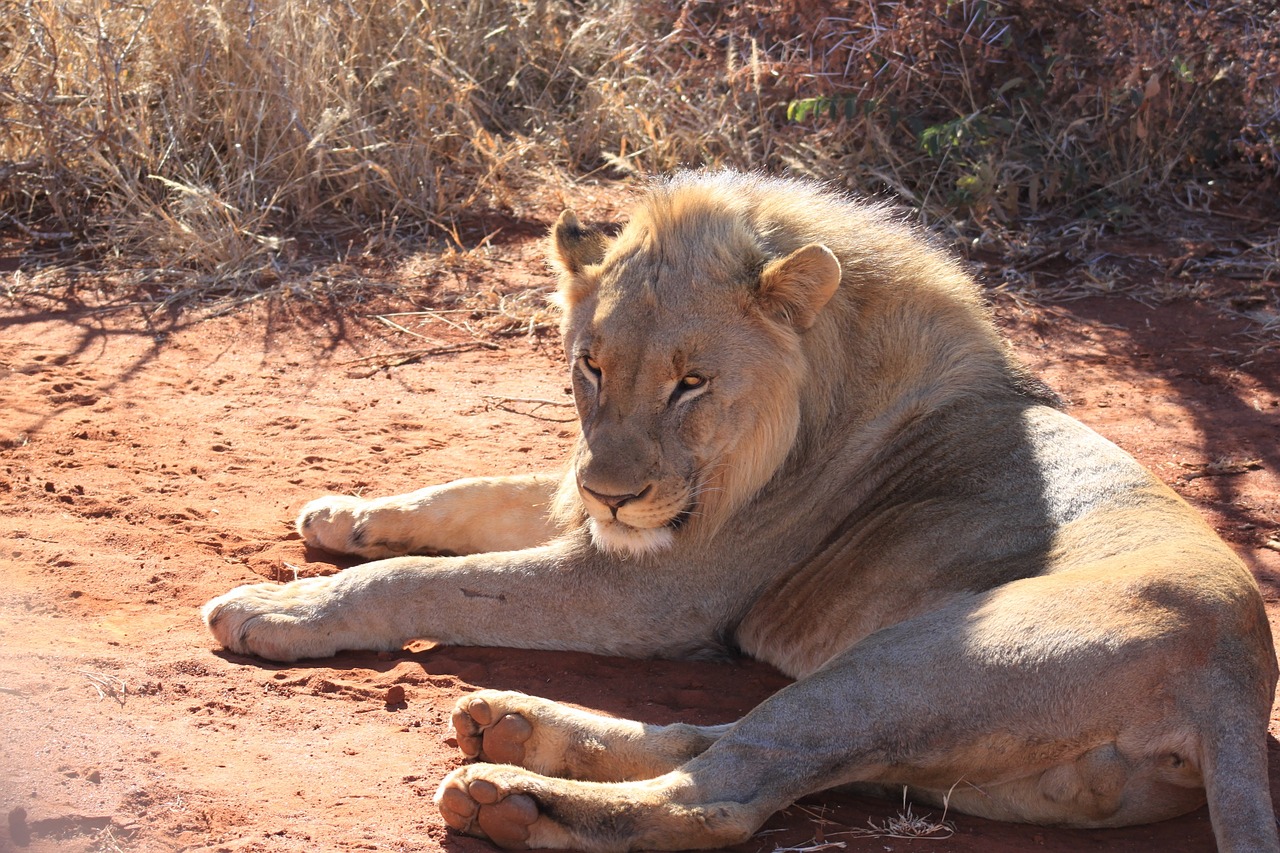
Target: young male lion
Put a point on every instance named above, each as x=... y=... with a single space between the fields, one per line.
x=803 y=440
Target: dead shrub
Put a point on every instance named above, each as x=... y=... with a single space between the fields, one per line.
x=204 y=138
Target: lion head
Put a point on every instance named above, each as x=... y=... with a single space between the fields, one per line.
x=684 y=340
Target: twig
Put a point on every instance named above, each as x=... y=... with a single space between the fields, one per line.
x=107 y=841
x=503 y=404
x=107 y=685
x=393 y=324
x=538 y=400
x=38 y=235
x=401 y=357
x=1219 y=467
x=432 y=315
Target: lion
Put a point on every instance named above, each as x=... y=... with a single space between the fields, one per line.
x=804 y=441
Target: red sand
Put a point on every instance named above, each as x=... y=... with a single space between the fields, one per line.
x=142 y=473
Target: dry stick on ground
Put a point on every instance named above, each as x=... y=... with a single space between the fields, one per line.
x=39 y=236
x=1218 y=467
x=292 y=568
x=107 y=842
x=811 y=847
x=430 y=315
x=819 y=840
x=387 y=321
x=503 y=403
x=462 y=327
x=409 y=356
x=107 y=685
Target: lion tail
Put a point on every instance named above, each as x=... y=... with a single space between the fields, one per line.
x=1234 y=764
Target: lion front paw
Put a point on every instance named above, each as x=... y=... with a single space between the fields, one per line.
x=281 y=622
x=332 y=524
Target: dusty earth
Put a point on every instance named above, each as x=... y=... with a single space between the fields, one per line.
x=146 y=467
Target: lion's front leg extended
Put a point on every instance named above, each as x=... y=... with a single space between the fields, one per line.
x=560 y=596
x=285 y=622
x=556 y=740
x=463 y=517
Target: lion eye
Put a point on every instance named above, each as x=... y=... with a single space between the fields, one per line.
x=592 y=366
x=687 y=386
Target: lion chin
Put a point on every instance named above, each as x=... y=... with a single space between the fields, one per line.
x=616 y=537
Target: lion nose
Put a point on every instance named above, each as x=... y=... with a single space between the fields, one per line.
x=616 y=502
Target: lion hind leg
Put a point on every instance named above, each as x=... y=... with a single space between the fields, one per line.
x=470 y=516
x=777 y=754
x=1086 y=735
x=556 y=740
x=515 y=808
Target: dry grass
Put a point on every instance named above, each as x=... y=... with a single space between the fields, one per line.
x=906 y=824
x=221 y=146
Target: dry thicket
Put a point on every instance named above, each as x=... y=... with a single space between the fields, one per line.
x=208 y=135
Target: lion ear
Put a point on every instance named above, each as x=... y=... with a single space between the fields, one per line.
x=798 y=286
x=576 y=247
x=573 y=249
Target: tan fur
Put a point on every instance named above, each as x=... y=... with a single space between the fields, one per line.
x=803 y=439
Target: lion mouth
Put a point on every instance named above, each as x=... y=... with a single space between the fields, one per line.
x=626 y=540
x=643 y=525
x=672 y=522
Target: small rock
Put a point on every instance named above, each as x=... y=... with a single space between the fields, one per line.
x=19 y=832
x=395 y=694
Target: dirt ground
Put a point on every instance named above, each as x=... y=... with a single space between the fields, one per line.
x=147 y=468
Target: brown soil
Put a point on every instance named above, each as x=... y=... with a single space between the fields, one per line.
x=143 y=472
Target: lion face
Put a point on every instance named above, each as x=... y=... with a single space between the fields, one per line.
x=683 y=342
x=667 y=399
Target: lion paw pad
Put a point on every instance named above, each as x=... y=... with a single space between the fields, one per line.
x=481 y=807
x=485 y=733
